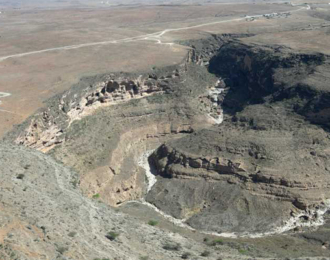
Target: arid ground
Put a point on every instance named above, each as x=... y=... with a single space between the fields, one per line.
x=33 y=78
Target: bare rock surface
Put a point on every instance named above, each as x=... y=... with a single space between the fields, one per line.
x=239 y=178
x=268 y=160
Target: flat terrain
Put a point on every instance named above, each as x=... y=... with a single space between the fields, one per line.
x=91 y=33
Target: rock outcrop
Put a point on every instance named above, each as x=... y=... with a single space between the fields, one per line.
x=114 y=90
x=258 y=74
x=44 y=129
x=101 y=125
x=212 y=171
x=271 y=152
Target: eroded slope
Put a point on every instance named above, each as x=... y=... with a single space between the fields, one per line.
x=266 y=166
x=44 y=216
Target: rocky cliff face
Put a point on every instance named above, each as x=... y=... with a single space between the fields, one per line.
x=265 y=151
x=46 y=128
x=259 y=74
x=238 y=162
x=114 y=90
x=203 y=50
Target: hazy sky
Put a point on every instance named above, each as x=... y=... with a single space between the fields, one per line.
x=75 y=3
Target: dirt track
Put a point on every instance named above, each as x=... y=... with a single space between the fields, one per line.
x=153 y=36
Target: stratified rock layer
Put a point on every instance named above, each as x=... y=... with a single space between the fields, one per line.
x=268 y=161
x=240 y=178
x=102 y=125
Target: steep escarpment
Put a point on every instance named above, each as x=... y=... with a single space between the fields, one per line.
x=224 y=179
x=203 y=50
x=258 y=74
x=44 y=130
x=267 y=163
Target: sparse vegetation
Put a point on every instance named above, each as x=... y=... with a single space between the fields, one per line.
x=96 y=196
x=242 y=251
x=62 y=249
x=112 y=235
x=20 y=176
x=205 y=253
x=217 y=241
x=186 y=255
x=153 y=222
x=72 y=234
x=213 y=178
x=75 y=183
x=172 y=246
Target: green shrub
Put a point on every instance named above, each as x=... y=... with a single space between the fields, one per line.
x=186 y=255
x=242 y=251
x=172 y=246
x=75 y=183
x=112 y=235
x=217 y=241
x=20 y=176
x=96 y=196
x=144 y=257
x=205 y=253
x=72 y=234
x=153 y=222
x=62 y=249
